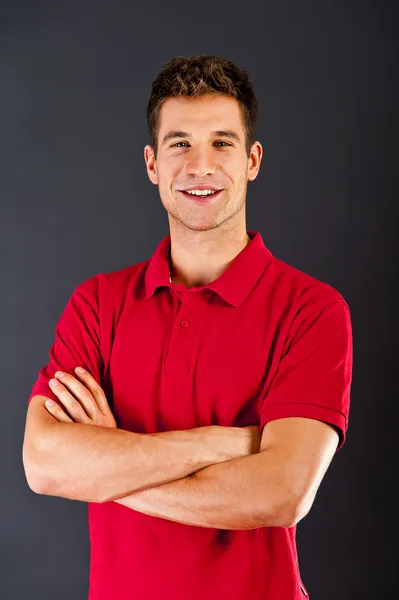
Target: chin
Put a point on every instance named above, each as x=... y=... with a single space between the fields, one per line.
x=200 y=226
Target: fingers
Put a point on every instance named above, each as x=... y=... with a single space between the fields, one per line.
x=96 y=390
x=71 y=404
x=56 y=411
x=79 y=393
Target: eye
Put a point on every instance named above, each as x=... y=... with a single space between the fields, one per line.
x=177 y=144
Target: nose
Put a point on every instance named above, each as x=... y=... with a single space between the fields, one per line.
x=200 y=162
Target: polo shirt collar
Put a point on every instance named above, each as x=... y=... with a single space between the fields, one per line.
x=233 y=285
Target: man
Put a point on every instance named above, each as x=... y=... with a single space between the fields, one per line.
x=216 y=380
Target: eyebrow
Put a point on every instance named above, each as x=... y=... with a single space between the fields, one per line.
x=229 y=133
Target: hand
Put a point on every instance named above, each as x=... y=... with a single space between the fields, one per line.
x=83 y=398
x=233 y=442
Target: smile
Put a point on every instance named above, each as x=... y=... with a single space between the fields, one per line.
x=205 y=199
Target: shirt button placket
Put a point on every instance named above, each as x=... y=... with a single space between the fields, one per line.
x=179 y=354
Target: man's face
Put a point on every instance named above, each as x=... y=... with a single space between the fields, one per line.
x=202 y=155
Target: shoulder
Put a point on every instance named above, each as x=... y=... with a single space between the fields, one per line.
x=111 y=286
x=301 y=289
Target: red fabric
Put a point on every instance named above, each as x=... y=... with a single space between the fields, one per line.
x=261 y=342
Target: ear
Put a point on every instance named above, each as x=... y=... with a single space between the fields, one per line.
x=151 y=164
x=254 y=160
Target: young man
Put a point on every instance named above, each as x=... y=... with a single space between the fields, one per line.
x=217 y=377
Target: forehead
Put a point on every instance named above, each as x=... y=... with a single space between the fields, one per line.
x=205 y=112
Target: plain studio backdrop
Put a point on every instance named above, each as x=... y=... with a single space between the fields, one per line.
x=76 y=200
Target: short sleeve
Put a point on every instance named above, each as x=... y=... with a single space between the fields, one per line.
x=76 y=341
x=313 y=378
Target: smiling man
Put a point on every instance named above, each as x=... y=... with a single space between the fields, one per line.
x=202 y=172
x=216 y=381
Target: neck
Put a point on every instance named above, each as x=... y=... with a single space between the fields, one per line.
x=199 y=257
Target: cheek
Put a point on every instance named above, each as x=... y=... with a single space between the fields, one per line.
x=233 y=165
x=168 y=175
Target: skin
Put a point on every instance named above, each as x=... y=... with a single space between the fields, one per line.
x=84 y=400
x=276 y=486
x=205 y=238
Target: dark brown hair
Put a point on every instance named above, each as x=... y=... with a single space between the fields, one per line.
x=196 y=76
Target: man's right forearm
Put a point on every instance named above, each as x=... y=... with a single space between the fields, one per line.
x=96 y=464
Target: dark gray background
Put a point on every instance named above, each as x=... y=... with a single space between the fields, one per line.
x=76 y=200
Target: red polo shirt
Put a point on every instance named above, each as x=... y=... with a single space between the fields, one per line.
x=261 y=342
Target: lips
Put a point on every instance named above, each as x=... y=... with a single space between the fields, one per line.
x=202 y=199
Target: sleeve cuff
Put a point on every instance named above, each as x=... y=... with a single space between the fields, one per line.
x=310 y=411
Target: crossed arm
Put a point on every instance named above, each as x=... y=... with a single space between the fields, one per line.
x=273 y=487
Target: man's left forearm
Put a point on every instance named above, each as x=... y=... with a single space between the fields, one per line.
x=241 y=493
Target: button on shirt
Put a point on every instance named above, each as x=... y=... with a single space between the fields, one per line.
x=262 y=342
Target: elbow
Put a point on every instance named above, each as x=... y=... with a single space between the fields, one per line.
x=293 y=511
x=288 y=512
x=37 y=486
x=42 y=479
x=35 y=460
x=33 y=472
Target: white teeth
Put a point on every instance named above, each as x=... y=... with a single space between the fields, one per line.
x=200 y=192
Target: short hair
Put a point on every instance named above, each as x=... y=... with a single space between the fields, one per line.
x=197 y=76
